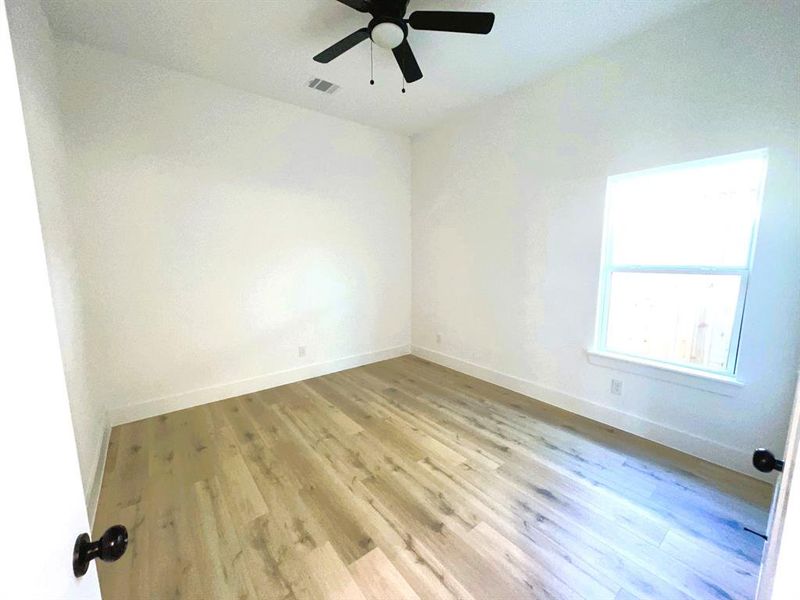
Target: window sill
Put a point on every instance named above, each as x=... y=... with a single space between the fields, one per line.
x=710 y=382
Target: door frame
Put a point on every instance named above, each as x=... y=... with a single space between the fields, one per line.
x=777 y=579
x=43 y=507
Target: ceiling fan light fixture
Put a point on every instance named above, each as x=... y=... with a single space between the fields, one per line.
x=389 y=29
x=388 y=35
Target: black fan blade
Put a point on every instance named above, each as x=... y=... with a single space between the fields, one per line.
x=342 y=46
x=407 y=62
x=359 y=5
x=460 y=22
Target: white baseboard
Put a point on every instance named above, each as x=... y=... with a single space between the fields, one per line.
x=714 y=452
x=93 y=496
x=159 y=406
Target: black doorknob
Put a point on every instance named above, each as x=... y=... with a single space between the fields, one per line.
x=111 y=545
x=765 y=461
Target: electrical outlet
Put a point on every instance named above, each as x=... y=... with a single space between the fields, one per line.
x=438 y=338
x=301 y=351
x=616 y=387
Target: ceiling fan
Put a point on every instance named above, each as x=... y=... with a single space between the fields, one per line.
x=389 y=29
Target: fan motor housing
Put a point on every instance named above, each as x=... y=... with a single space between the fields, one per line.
x=388 y=8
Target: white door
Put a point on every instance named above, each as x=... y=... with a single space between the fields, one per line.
x=780 y=573
x=42 y=508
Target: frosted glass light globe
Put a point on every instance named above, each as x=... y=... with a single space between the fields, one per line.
x=387 y=35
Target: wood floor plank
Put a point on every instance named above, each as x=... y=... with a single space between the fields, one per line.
x=406 y=407
x=403 y=479
x=539 y=476
x=740 y=575
x=221 y=550
x=379 y=579
x=239 y=489
x=329 y=576
x=429 y=537
x=125 y=481
x=128 y=578
x=495 y=547
x=682 y=468
x=176 y=564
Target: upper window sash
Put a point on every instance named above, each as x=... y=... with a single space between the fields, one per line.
x=644 y=207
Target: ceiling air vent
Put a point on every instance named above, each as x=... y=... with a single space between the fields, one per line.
x=322 y=85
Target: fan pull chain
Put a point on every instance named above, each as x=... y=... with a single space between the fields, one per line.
x=371 y=72
x=402 y=76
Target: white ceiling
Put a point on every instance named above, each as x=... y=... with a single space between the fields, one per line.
x=266 y=47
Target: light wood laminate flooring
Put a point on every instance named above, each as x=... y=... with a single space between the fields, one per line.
x=406 y=480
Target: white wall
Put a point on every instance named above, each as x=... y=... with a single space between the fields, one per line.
x=507 y=222
x=34 y=54
x=198 y=234
x=220 y=230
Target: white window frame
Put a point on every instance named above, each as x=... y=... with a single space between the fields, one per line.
x=607 y=269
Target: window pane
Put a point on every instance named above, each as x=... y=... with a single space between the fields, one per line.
x=695 y=214
x=678 y=318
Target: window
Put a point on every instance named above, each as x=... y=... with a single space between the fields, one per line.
x=678 y=245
